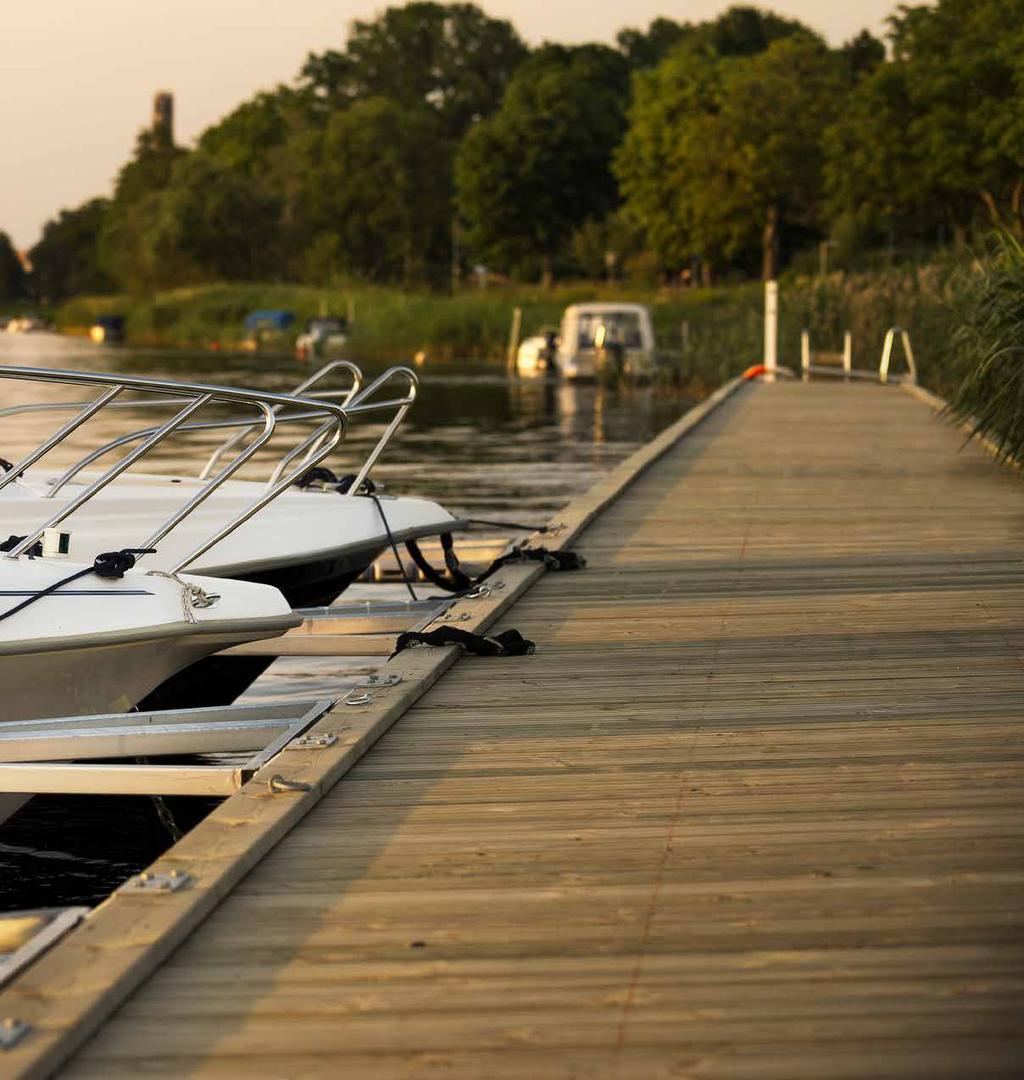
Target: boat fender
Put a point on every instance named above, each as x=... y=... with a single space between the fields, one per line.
x=507 y=643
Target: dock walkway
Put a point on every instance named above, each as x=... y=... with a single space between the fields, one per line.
x=753 y=809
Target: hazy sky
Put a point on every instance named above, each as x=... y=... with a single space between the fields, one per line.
x=77 y=79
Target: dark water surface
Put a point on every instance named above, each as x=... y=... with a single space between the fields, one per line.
x=481 y=443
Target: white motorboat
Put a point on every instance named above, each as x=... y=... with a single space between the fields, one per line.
x=101 y=644
x=310 y=543
x=595 y=339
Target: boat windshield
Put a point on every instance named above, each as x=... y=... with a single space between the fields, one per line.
x=620 y=328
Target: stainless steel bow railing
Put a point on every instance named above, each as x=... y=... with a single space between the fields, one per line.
x=246 y=424
x=359 y=404
x=192 y=397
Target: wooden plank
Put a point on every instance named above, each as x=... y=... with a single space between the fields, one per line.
x=70 y=991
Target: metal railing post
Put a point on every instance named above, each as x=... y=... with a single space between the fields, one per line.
x=847 y=352
x=805 y=353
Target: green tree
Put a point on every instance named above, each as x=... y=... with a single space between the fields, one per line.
x=747 y=31
x=377 y=196
x=12 y=274
x=127 y=250
x=862 y=55
x=211 y=223
x=738 y=31
x=536 y=170
x=647 y=48
x=452 y=58
x=707 y=169
x=935 y=137
x=963 y=61
x=872 y=170
x=65 y=261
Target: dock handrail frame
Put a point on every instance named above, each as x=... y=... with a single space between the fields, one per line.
x=848 y=371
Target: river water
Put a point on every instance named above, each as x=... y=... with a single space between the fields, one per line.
x=482 y=443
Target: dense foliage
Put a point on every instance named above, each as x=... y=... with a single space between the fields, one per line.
x=12 y=275
x=434 y=142
x=987 y=348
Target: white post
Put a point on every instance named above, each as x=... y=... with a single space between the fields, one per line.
x=771 y=328
x=847 y=352
x=513 y=339
x=805 y=353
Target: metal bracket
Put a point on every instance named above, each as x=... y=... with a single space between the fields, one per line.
x=313 y=742
x=12 y=1031
x=175 y=881
x=464 y=617
x=278 y=785
x=380 y=680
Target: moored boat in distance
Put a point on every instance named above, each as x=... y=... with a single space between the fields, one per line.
x=597 y=339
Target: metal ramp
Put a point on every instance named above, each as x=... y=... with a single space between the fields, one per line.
x=78 y=755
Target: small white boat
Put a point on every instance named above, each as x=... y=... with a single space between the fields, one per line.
x=310 y=543
x=323 y=337
x=101 y=644
x=595 y=339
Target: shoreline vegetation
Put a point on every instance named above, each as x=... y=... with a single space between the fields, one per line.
x=716 y=333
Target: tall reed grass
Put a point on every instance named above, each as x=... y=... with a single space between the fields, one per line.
x=986 y=348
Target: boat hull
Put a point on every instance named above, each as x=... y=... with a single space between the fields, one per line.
x=102 y=678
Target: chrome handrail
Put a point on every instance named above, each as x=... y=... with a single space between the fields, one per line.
x=246 y=425
x=404 y=405
x=359 y=404
x=317 y=376
x=207 y=425
x=197 y=395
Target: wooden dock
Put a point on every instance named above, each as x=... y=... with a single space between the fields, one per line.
x=753 y=809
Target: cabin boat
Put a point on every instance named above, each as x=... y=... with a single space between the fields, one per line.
x=324 y=336
x=595 y=340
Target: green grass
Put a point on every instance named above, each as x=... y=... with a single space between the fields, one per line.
x=724 y=325
x=987 y=348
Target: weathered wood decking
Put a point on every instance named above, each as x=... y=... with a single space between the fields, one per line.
x=754 y=809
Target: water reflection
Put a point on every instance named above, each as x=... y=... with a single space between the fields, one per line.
x=482 y=443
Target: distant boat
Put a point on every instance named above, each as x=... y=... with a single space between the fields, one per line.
x=595 y=339
x=25 y=324
x=107 y=329
x=325 y=337
x=267 y=327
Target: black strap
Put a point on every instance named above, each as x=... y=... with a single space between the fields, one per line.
x=108 y=564
x=457 y=581
x=507 y=643
x=552 y=560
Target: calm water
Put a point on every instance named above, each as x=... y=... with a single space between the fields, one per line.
x=477 y=441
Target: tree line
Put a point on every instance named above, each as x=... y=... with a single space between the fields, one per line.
x=435 y=141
